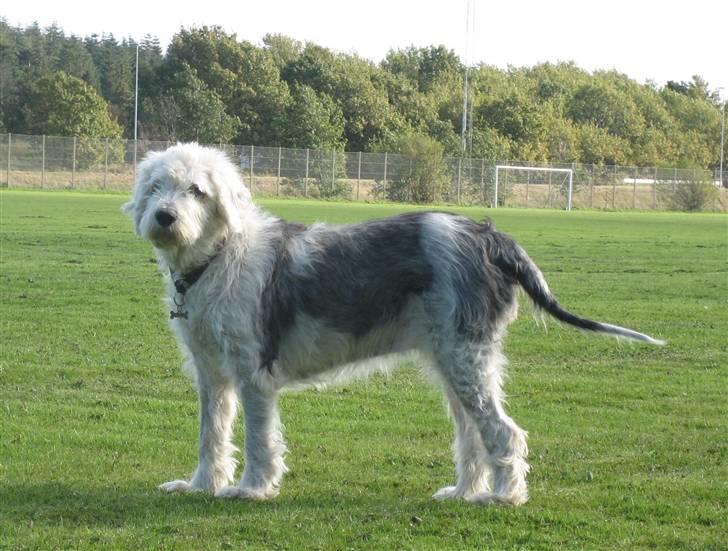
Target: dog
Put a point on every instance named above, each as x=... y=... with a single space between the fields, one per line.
x=259 y=304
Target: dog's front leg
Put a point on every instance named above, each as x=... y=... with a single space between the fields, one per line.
x=216 y=466
x=264 y=448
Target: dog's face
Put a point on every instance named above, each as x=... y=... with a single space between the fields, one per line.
x=186 y=197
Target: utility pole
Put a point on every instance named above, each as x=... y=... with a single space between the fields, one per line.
x=468 y=30
x=722 y=143
x=136 y=107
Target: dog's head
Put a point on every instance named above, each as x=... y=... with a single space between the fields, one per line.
x=187 y=197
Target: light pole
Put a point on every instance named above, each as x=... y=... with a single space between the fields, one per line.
x=136 y=91
x=136 y=106
x=722 y=143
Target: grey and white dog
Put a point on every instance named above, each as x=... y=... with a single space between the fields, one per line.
x=259 y=305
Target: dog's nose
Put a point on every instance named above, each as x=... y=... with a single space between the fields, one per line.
x=165 y=218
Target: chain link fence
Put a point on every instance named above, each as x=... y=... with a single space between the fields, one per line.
x=49 y=162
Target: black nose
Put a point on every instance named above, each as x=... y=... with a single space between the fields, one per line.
x=165 y=218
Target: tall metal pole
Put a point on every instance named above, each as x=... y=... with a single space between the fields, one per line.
x=463 y=134
x=136 y=91
x=722 y=143
x=136 y=106
x=464 y=131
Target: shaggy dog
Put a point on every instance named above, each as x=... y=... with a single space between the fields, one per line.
x=259 y=304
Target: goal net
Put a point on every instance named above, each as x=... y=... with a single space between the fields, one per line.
x=527 y=186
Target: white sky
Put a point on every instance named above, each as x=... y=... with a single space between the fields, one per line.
x=659 y=40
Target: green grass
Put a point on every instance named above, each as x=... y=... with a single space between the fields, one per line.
x=94 y=412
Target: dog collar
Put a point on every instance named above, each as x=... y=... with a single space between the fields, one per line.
x=182 y=284
x=185 y=281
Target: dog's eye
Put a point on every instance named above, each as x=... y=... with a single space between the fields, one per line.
x=196 y=191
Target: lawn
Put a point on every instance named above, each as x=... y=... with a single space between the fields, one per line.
x=628 y=442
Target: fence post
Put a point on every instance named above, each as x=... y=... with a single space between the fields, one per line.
x=305 y=180
x=495 y=188
x=459 y=184
x=634 y=190
x=549 y=203
x=591 y=187
x=654 y=190
x=482 y=179
x=7 y=182
x=252 y=173
x=614 y=185
x=42 y=174
x=674 y=180
x=528 y=181
x=333 y=171
x=358 y=177
x=106 y=161
x=385 y=173
x=278 y=179
x=409 y=179
x=73 y=167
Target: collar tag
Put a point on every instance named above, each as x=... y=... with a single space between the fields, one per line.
x=180 y=313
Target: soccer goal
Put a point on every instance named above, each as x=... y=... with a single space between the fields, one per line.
x=555 y=180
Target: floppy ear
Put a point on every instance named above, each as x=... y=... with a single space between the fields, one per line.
x=233 y=196
x=131 y=209
x=128 y=209
x=135 y=205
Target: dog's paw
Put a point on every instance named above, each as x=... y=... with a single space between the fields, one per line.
x=236 y=492
x=178 y=486
x=448 y=492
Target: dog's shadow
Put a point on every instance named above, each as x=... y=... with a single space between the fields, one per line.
x=51 y=504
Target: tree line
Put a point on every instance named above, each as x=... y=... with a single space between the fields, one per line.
x=212 y=87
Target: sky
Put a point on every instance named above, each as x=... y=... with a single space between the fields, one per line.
x=646 y=39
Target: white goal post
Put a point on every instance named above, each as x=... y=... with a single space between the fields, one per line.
x=569 y=172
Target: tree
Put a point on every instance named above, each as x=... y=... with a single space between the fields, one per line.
x=427 y=178
x=519 y=120
x=423 y=66
x=244 y=78
x=311 y=120
x=62 y=105
x=197 y=113
x=604 y=106
x=117 y=78
x=697 y=89
x=598 y=146
x=283 y=50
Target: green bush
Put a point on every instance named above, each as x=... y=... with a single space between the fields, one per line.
x=694 y=195
x=427 y=178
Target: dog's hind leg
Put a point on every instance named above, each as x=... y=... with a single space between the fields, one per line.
x=474 y=373
x=216 y=466
x=471 y=465
x=264 y=448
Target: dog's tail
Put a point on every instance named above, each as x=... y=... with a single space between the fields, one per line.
x=515 y=261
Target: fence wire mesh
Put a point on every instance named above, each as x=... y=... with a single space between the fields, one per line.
x=52 y=162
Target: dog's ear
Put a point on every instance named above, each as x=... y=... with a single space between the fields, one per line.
x=131 y=209
x=232 y=195
x=128 y=208
x=134 y=206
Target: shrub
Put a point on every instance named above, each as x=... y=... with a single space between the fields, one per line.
x=427 y=177
x=694 y=195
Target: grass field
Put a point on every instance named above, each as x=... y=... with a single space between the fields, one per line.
x=628 y=442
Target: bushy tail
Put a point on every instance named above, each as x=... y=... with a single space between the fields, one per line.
x=514 y=261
